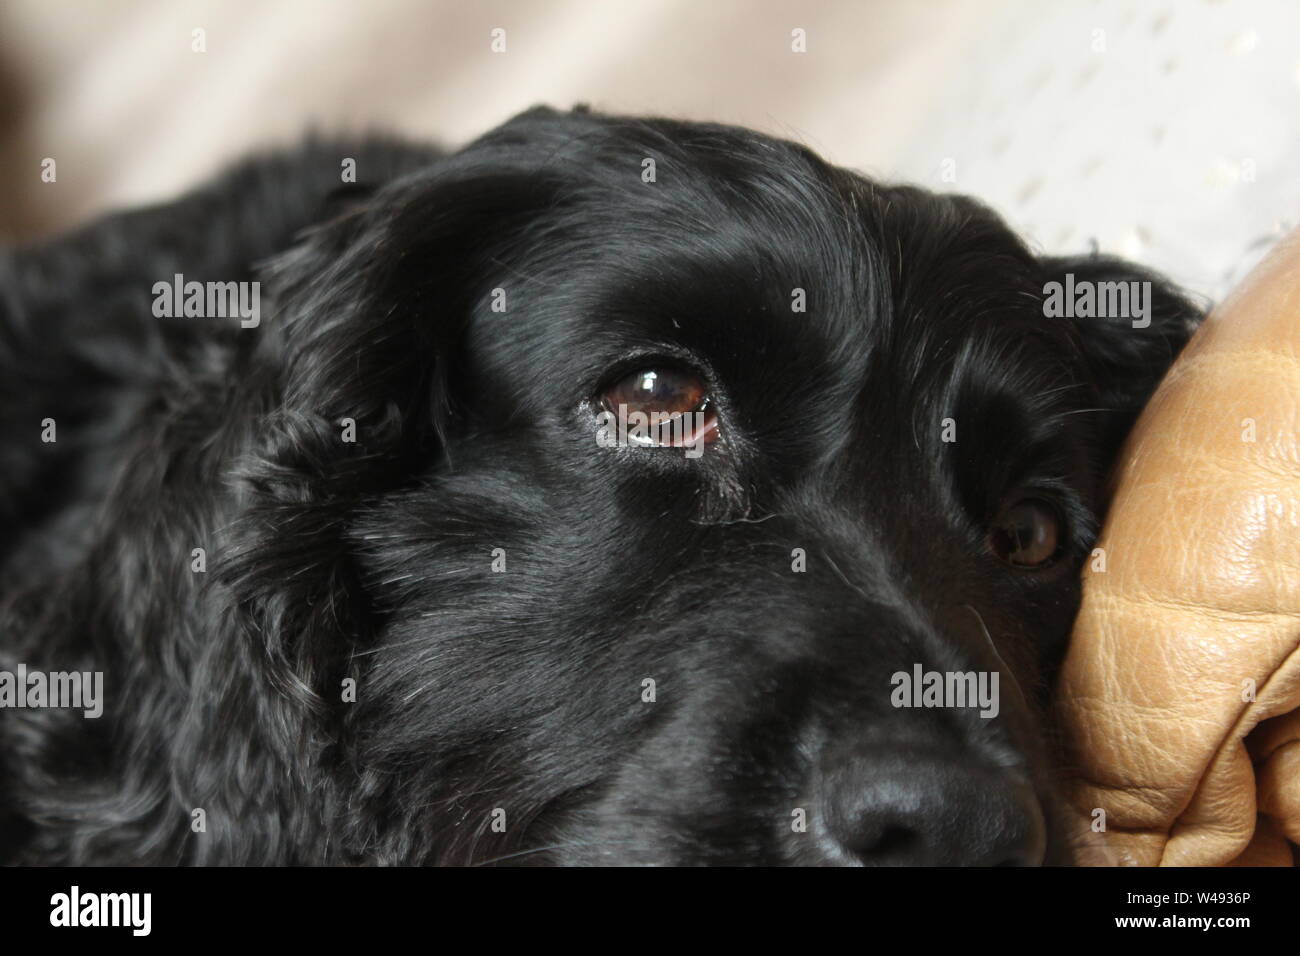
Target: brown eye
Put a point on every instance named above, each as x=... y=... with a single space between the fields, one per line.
x=662 y=407
x=1027 y=534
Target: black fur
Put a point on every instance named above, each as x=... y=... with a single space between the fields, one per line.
x=372 y=560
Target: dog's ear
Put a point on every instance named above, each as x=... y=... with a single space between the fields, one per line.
x=369 y=310
x=353 y=368
x=1126 y=350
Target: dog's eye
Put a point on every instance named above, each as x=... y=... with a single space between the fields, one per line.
x=1027 y=534
x=662 y=407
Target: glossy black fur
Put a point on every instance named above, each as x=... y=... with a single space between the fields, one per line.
x=522 y=689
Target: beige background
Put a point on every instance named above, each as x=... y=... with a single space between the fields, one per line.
x=113 y=91
x=1166 y=131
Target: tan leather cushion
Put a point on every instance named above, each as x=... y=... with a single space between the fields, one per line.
x=1200 y=596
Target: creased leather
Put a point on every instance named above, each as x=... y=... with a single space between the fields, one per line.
x=1199 y=603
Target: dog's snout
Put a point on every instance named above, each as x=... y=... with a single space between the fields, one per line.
x=899 y=807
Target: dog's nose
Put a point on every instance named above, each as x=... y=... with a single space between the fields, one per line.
x=903 y=808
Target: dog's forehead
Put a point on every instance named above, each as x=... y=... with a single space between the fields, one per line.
x=774 y=270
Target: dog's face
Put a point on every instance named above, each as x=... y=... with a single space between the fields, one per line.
x=688 y=644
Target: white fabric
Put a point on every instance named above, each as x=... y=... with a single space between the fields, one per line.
x=1167 y=132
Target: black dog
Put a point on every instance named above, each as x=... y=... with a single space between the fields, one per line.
x=365 y=583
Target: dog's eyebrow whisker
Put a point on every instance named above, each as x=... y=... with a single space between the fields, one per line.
x=1082 y=411
x=1067 y=387
x=514 y=270
x=836 y=568
x=448 y=801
